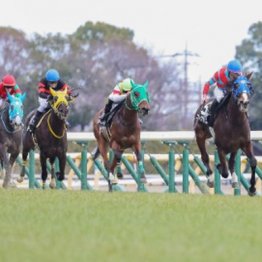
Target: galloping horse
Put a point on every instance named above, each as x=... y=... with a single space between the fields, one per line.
x=232 y=132
x=124 y=131
x=50 y=136
x=10 y=133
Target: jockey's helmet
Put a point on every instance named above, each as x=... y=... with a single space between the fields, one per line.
x=52 y=75
x=9 y=80
x=125 y=85
x=234 y=66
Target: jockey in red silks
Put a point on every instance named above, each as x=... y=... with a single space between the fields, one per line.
x=8 y=85
x=221 y=79
x=51 y=80
x=118 y=94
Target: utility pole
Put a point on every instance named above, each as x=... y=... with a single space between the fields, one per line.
x=186 y=54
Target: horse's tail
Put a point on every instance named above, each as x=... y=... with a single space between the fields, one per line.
x=95 y=153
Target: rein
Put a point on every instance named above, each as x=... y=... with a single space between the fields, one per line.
x=5 y=126
x=52 y=131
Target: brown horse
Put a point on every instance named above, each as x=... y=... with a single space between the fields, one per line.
x=50 y=136
x=232 y=132
x=124 y=131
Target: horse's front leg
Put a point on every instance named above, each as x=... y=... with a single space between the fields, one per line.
x=253 y=164
x=44 y=169
x=6 y=166
x=140 y=164
x=116 y=163
x=24 y=161
x=62 y=163
x=12 y=159
x=231 y=166
x=52 y=184
x=222 y=167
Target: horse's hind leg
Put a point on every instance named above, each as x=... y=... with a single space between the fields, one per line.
x=231 y=166
x=27 y=146
x=102 y=145
x=201 y=142
x=253 y=164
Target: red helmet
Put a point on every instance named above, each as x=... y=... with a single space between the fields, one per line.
x=8 y=80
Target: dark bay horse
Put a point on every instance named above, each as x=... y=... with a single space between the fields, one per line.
x=11 y=116
x=50 y=136
x=124 y=131
x=232 y=132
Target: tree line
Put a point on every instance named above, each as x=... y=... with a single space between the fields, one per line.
x=98 y=55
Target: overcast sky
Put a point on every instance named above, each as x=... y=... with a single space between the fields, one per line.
x=210 y=28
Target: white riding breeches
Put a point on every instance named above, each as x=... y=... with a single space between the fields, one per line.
x=43 y=104
x=219 y=94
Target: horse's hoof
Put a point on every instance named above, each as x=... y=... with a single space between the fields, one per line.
x=113 y=179
x=224 y=175
x=60 y=176
x=251 y=191
x=5 y=185
x=120 y=175
x=235 y=184
x=110 y=188
x=52 y=184
x=12 y=184
x=20 y=179
x=210 y=184
x=143 y=180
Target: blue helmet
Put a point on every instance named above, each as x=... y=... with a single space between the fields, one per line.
x=234 y=66
x=52 y=75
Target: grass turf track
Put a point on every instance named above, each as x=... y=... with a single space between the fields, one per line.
x=38 y=225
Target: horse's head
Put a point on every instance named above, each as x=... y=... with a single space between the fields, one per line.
x=242 y=90
x=139 y=98
x=16 y=111
x=59 y=101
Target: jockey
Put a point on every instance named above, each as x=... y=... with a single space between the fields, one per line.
x=118 y=94
x=222 y=78
x=8 y=85
x=51 y=80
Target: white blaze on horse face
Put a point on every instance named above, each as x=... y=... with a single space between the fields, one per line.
x=18 y=121
x=243 y=102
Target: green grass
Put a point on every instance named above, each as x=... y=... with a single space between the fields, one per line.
x=101 y=226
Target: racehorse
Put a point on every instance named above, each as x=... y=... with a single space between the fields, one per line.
x=50 y=136
x=232 y=132
x=11 y=116
x=124 y=131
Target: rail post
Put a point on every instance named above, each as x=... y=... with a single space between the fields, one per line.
x=31 y=169
x=84 y=165
x=217 y=175
x=171 y=165
x=237 y=190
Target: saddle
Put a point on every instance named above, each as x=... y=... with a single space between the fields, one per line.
x=105 y=130
x=205 y=111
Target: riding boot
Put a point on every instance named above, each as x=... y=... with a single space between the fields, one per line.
x=212 y=113
x=104 y=116
x=34 y=121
